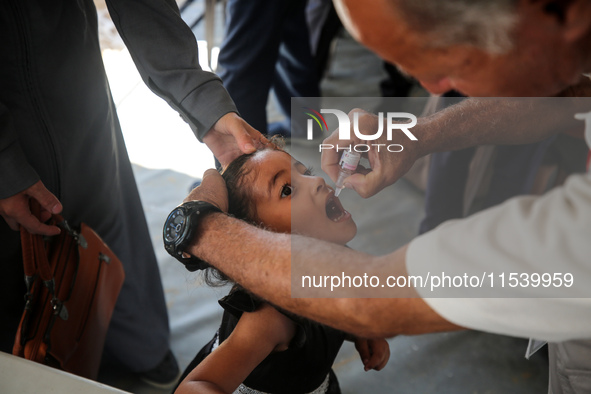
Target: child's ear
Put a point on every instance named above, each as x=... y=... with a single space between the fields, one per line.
x=571 y=18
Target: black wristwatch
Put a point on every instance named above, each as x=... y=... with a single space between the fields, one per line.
x=179 y=230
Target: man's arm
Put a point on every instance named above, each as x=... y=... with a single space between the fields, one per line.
x=19 y=184
x=544 y=236
x=164 y=50
x=497 y=121
x=262 y=262
x=471 y=122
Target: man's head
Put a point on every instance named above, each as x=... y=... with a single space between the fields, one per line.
x=478 y=47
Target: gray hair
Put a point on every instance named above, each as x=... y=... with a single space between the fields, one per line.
x=485 y=24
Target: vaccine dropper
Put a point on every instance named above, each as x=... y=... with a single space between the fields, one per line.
x=348 y=164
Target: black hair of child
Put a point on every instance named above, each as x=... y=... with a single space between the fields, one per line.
x=240 y=204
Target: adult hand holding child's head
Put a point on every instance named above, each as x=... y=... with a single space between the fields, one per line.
x=232 y=136
x=212 y=189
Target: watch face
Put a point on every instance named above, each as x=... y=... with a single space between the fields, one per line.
x=175 y=225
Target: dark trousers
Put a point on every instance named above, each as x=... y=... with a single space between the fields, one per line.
x=266 y=46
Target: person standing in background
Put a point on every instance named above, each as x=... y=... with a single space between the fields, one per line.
x=61 y=144
x=266 y=47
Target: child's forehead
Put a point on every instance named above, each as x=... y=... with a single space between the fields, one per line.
x=267 y=161
x=268 y=155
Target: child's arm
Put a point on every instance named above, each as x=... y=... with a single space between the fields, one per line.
x=256 y=335
x=374 y=353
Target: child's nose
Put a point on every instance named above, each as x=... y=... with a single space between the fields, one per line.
x=319 y=184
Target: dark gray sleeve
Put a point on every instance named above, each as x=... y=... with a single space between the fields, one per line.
x=16 y=174
x=164 y=50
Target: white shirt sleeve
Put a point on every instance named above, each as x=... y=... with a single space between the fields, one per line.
x=547 y=234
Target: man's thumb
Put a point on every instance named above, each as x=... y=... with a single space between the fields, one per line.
x=364 y=185
x=243 y=140
x=210 y=175
x=45 y=198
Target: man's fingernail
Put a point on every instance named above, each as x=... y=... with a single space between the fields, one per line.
x=56 y=208
x=249 y=147
x=348 y=185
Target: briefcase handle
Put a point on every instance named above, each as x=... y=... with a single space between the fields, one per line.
x=35 y=262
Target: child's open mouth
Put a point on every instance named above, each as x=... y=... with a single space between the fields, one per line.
x=334 y=209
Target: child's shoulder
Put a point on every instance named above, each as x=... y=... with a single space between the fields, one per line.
x=240 y=300
x=268 y=324
x=255 y=318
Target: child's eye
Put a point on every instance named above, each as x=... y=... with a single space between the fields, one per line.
x=309 y=171
x=285 y=190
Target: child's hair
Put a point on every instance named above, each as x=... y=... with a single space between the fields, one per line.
x=240 y=202
x=240 y=192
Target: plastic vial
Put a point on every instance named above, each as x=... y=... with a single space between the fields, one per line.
x=348 y=164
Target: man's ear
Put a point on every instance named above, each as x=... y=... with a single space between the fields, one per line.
x=577 y=22
x=573 y=17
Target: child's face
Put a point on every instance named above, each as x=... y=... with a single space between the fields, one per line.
x=289 y=199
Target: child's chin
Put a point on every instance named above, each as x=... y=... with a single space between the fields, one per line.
x=346 y=237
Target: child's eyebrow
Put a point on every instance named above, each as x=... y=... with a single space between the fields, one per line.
x=274 y=180
x=300 y=165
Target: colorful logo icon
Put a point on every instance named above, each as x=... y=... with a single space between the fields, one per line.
x=315 y=115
